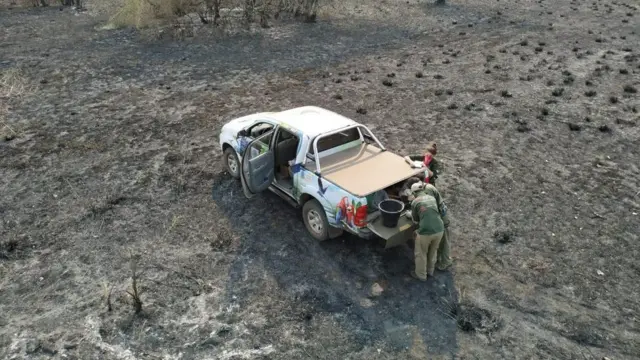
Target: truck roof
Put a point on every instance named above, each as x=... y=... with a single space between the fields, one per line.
x=312 y=120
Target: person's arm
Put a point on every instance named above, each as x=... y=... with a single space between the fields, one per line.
x=414 y=213
x=444 y=212
x=415 y=157
x=442 y=208
x=435 y=167
x=444 y=215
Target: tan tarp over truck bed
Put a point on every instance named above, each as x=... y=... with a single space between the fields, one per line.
x=364 y=169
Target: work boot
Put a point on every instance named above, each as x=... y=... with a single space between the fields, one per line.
x=443 y=267
x=415 y=276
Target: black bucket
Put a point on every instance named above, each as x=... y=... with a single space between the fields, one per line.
x=391 y=210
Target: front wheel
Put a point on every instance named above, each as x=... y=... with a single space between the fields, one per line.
x=231 y=162
x=315 y=219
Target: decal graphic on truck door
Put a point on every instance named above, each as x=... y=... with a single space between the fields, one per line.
x=351 y=213
x=342 y=208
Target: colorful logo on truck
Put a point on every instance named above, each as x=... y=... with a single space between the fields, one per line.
x=351 y=213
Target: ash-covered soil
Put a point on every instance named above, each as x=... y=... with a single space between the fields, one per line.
x=109 y=146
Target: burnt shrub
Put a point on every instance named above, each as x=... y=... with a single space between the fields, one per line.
x=503 y=236
x=472 y=319
x=604 y=128
x=7 y=248
x=574 y=127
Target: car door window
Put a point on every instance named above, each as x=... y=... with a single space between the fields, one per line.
x=258 y=166
x=258 y=129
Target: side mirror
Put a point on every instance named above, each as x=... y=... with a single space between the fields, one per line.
x=242 y=132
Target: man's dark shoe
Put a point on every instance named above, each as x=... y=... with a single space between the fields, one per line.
x=415 y=276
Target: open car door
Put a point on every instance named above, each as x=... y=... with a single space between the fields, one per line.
x=258 y=165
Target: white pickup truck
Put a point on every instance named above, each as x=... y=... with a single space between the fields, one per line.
x=332 y=167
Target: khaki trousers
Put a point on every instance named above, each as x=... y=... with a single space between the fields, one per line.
x=444 y=259
x=426 y=252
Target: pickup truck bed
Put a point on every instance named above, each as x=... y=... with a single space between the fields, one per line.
x=364 y=169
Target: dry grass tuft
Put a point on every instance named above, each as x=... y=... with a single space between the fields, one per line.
x=41 y=3
x=107 y=291
x=146 y=13
x=13 y=84
x=137 y=13
x=134 y=292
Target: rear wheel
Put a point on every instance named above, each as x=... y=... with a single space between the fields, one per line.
x=315 y=219
x=231 y=162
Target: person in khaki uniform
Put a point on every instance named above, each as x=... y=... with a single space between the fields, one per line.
x=425 y=212
x=443 y=259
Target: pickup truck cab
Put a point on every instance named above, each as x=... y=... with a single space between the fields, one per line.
x=332 y=167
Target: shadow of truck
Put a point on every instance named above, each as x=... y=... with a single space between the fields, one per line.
x=336 y=276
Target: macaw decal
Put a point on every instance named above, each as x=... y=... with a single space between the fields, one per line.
x=350 y=215
x=346 y=212
x=341 y=209
x=243 y=142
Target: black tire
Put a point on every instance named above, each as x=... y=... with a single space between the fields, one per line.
x=315 y=219
x=230 y=155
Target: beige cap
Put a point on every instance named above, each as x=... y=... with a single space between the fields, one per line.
x=417 y=187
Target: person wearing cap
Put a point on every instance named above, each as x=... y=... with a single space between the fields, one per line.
x=425 y=212
x=405 y=192
x=429 y=160
x=443 y=259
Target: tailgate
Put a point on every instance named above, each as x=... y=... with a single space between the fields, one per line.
x=393 y=236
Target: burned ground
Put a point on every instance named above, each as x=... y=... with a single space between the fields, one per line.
x=110 y=146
